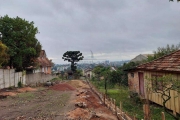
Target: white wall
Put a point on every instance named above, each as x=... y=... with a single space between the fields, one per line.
x=8 y=78
x=38 y=78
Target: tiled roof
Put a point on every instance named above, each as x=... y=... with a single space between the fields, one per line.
x=169 y=62
x=43 y=60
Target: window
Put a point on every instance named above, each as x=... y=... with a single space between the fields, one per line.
x=132 y=75
x=155 y=83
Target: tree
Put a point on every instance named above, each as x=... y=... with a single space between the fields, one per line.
x=163 y=85
x=161 y=51
x=123 y=72
x=3 y=53
x=100 y=70
x=19 y=37
x=78 y=74
x=73 y=57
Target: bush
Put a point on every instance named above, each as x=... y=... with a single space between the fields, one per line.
x=19 y=84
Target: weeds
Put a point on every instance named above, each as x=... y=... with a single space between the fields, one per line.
x=133 y=106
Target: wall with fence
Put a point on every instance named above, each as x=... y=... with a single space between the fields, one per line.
x=8 y=78
x=38 y=78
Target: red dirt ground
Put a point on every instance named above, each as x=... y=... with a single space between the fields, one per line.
x=56 y=104
x=62 y=87
x=94 y=105
x=5 y=92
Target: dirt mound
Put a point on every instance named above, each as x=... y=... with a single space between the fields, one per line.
x=62 y=87
x=78 y=113
x=26 y=89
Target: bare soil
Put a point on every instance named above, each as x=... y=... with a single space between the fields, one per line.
x=56 y=102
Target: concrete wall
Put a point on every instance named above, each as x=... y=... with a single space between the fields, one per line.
x=8 y=77
x=38 y=78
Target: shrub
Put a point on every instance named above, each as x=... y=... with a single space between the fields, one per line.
x=19 y=84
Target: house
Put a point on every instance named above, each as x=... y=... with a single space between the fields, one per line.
x=141 y=57
x=88 y=73
x=169 y=64
x=43 y=64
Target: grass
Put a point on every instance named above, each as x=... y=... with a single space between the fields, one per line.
x=132 y=106
x=26 y=95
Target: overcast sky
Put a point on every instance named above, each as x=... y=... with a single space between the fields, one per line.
x=111 y=29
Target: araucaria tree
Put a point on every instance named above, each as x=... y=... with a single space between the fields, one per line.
x=19 y=36
x=73 y=57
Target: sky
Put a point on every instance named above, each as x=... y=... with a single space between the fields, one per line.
x=113 y=30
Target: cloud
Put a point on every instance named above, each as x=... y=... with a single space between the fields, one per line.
x=114 y=30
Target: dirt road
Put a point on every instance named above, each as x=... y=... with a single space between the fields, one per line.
x=70 y=100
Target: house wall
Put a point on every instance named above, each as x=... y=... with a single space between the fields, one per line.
x=133 y=82
x=37 y=70
x=173 y=104
x=49 y=70
x=46 y=70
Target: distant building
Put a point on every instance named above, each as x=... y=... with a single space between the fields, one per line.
x=88 y=73
x=63 y=67
x=141 y=57
x=107 y=62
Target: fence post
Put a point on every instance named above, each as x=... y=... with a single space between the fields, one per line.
x=104 y=99
x=134 y=118
x=111 y=102
x=115 y=106
x=120 y=107
x=123 y=114
x=146 y=110
x=163 y=116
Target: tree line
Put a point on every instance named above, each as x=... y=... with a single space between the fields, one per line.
x=19 y=44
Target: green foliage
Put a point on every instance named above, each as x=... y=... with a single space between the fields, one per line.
x=73 y=57
x=122 y=71
x=101 y=70
x=19 y=36
x=98 y=83
x=132 y=106
x=20 y=84
x=78 y=74
x=161 y=51
x=112 y=78
x=3 y=53
x=26 y=95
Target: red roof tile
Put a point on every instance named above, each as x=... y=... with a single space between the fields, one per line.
x=43 y=60
x=169 y=62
